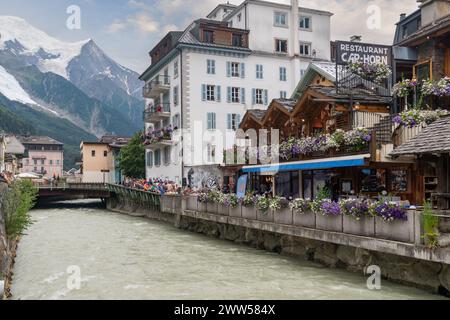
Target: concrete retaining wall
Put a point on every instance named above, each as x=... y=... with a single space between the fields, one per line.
x=405 y=263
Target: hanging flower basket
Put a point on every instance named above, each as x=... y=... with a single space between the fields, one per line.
x=376 y=72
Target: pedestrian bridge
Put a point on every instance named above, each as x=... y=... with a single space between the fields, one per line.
x=71 y=191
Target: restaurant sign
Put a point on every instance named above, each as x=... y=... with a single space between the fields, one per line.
x=363 y=53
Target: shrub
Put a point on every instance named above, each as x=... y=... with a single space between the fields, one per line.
x=430 y=226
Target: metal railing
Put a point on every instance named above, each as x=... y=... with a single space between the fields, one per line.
x=138 y=197
x=158 y=81
x=159 y=108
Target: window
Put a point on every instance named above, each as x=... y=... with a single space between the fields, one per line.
x=166 y=76
x=176 y=121
x=42 y=161
x=281 y=46
x=235 y=95
x=211 y=66
x=35 y=161
x=150 y=159
x=211 y=150
x=175 y=95
x=93 y=153
x=211 y=121
x=208 y=36
x=51 y=162
x=167 y=158
x=105 y=153
x=280 y=19
x=283 y=94
x=283 y=76
x=57 y=162
x=158 y=157
x=175 y=69
x=305 y=49
x=235 y=69
x=211 y=93
x=259 y=71
x=237 y=40
x=233 y=121
x=305 y=23
x=35 y=169
x=260 y=96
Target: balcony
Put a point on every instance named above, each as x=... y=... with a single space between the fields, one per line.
x=158 y=137
x=157 y=112
x=154 y=88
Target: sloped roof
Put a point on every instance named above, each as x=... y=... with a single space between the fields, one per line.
x=358 y=95
x=435 y=138
x=28 y=140
x=288 y=104
x=325 y=69
x=426 y=31
x=257 y=113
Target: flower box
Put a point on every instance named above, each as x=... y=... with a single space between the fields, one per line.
x=212 y=207
x=363 y=227
x=265 y=216
x=223 y=210
x=307 y=219
x=249 y=213
x=191 y=203
x=201 y=207
x=329 y=223
x=236 y=212
x=283 y=216
x=397 y=230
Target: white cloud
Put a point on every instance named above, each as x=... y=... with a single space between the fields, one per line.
x=141 y=21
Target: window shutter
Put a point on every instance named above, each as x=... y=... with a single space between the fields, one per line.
x=213 y=66
x=209 y=120
x=204 y=92
x=243 y=95
x=229 y=94
x=218 y=93
x=229 y=122
x=228 y=69
x=242 y=70
x=214 y=121
x=266 y=97
x=253 y=96
x=238 y=121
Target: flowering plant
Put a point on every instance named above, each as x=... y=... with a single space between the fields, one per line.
x=300 y=206
x=403 y=88
x=355 y=208
x=414 y=117
x=263 y=204
x=388 y=211
x=376 y=72
x=215 y=196
x=231 y=200
x=249 y=200
x=357 y=139
x=329 y=208
x=202 y=197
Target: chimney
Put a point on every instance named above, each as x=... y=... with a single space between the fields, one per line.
x=402 y=16
x=433 y=10
x=294 y=28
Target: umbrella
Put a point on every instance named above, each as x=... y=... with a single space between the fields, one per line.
x=28 y=176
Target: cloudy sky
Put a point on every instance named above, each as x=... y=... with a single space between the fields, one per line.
x=128 y=29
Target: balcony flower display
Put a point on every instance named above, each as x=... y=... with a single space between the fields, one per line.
x=263 y=204
x=355 y=208
x=414 y=117
x=249 y=200
x=404 y=88
x=278 y=203
x=202 y=197
x=329 y=208
x=231 y=201
x=376 y=72
x=300 y=206
x=388 y=211
x=357 y=139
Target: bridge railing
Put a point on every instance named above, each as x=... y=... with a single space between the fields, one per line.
x=139 y=197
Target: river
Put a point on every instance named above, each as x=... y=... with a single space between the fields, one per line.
x=121 y=257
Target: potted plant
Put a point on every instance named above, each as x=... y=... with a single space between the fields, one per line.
x=248 y=207
x=281 y=211
x=263 y=206
x=202 y=200
x=302 y=213
x=222 y=204
x=357 y=217
x=235 y=209
x=393 y=222
x=212 y=203
x=329 y=217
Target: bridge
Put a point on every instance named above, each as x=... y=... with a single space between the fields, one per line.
x=103 y=191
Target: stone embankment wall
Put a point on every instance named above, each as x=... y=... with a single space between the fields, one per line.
x=396 y=260
x=3 y=242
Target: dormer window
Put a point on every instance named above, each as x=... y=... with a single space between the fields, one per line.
x=208 y=36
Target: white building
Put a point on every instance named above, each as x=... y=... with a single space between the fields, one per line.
x=208 y=76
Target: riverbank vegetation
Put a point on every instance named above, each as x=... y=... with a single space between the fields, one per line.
x=132 y=158
x=17 y=202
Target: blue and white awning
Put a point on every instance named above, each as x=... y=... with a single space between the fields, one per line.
x=317 y=164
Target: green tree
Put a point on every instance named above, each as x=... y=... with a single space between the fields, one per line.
x=17 y=202
x=132 y=158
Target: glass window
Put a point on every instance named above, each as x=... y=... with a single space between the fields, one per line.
x=175 y=95
x=235 y=69
x=158 y=157
x=233 y=121
x=287 y=185
x=281 y=46
x=237 y=40
x=259 y=96
x=280 y=19
x=305 y=49
x=93 y=153
x=211 y=121
x=211 y=66
x=283 y=76
x=373 y=180
x=259 y=71
x=208 y=36
x=175 y=69
x=167 y=155
x=150 y=159
x=210 y=93
x=105 y=153
x=211 y=150
x=398 y=180
x=235 y=94
x=283 y=94
x=305 y=23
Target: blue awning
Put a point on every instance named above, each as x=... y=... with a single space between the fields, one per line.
x=326 y=163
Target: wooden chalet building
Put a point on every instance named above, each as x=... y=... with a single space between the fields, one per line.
x=318 y=107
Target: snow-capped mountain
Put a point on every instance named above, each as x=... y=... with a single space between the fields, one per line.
x=77 y=82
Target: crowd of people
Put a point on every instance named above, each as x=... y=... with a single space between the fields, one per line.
x=153 y=185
